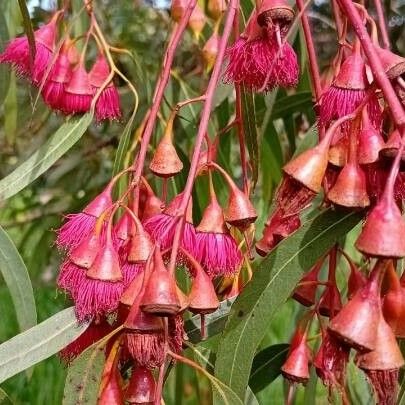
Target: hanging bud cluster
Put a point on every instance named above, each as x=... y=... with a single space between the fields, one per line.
x=58 y=69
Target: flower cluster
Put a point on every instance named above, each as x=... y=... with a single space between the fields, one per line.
x=59 y=71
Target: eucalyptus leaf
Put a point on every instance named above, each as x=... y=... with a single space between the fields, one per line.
x=16 y=276
x=84 y=377
x=286 y=106
x=271 y=285
x=4 y=398
x=267 y=366
x=250 y=132
x=39 y=343
x=41 y=160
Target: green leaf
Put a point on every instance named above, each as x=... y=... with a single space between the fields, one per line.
x=41 y=160
x=11 y=110
x=39 y=343
x=16 y=276
x=271 y=285
x=123 y=146
x=84 y=377
x=286 y=106
x=250 y=132
x=4 y=398
x=27 y=27
x=267 y=366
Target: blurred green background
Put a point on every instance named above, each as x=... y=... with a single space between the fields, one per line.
x=32 y=215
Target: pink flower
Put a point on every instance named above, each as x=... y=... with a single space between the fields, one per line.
x=78 y=92
x=162 y=227
x=78 y=226
x=17 y=52
x=108 y=103
x=53 y=91
x=347 y=92
x=216 y=249
x=96 y=331
x=260 y=60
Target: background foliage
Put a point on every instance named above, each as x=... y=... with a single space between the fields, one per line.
x=280 y=121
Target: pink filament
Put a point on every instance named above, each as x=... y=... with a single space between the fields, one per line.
x=54 y=94
x=96 y=297
x=337 y=102
x=261 y=65
x=92 y=334
x=74 y=230
x=17 y=54
x=218 y=253
x=130 y=271
x=162 y=228
x=71 y=277
x=147 y=349
x=108 y=104
x=385 y=384
x=176 y=333
x=331 y=364
x=74 y=103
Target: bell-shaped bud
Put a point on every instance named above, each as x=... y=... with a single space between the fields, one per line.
x=216 y=8
x=393 y=65
x=358 y=320
x=112 y=392
x=394 y=303
x=210 y=50
x=383 y=233
x=305 y=292
x=165 y=161
x=296 y=367
x=139 y=321
x=106 y=266
x=240 y=212
x=141 y=388
x=275 y=12
x=309 y=167
x=330 y=302
x=370 y=142
x=178 y=9
x=160 y=297
x=140 y=245
x=197 y=21
x=356 y=280
x=101 y=203
x=382 y=364
x=350 y=188
x=338 y=152
x=86 y=252
x=202 y=297
x=150 y=204
x=390 y=149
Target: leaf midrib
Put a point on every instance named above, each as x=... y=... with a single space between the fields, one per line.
x=39 y=162
x=270 y=282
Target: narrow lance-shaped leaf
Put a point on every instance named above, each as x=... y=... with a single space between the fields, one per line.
x=271 y=285
x=267 y=366
x=250 y=132
x=84 y=377
x=39 y=343
x=16 y=276
x=41 y=160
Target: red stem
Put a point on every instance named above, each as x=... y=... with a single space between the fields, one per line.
x=382 y=24
x=161 y=85
x=395 y=105
x=202 y=129
x=313 y=65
